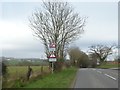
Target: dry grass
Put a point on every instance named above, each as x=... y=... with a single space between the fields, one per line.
x=19 y=73
x=15 y=72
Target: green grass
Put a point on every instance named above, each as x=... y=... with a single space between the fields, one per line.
x=61 y=79
x=108 y=65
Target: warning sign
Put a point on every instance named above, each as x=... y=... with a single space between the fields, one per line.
x=52 y=56
x=52 y=59
x=52 y=52
x=51 y=49
x=52 y=45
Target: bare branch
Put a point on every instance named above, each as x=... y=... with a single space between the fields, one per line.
x=101 y=51
x=57 y=23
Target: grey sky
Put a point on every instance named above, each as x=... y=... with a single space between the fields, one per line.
x=18 y=41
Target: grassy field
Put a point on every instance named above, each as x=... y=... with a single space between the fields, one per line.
x=17 y=71
x=108 y=65
x=61 y=79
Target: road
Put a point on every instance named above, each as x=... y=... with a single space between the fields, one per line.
x=96 y=78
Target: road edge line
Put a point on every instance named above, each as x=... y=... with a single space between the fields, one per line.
x=110 y=77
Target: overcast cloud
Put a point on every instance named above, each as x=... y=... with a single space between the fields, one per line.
x=17 y=39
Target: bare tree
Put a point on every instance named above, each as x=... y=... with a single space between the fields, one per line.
x=58 y=24
x=78 y=57
x=74 y=54
x=84 y=60
x=101 y=51
x=93 y=59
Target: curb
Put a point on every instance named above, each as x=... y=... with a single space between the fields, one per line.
x=74 y=80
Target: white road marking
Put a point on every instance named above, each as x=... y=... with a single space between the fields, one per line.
x=99 y=71
x=94 y=69
x=110 y=77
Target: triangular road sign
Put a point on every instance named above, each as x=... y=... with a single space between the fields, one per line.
x=52 y=56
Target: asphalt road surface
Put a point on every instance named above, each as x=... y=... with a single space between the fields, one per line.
x=96 y=78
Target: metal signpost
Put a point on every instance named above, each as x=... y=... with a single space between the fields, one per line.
x=52 y=56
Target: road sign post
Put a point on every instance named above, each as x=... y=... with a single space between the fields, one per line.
x=52 y=55
x=52 y=67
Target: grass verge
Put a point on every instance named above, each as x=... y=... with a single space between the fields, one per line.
x=61 y=79
x=108 y=65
